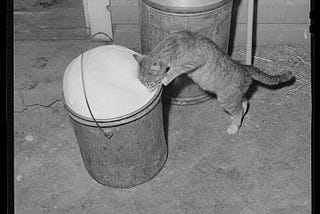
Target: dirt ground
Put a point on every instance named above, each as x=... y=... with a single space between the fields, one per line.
x=264 y=168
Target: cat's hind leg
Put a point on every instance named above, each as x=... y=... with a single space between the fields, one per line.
x=237 y=118
x=236 y=107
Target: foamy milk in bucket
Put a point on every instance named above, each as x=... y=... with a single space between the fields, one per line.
x=111 y=81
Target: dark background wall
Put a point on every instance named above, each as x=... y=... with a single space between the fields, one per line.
x=277 y=21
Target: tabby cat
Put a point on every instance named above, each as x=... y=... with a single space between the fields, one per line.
x=191 y=53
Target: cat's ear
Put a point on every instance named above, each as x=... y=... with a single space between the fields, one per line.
x=138 y=57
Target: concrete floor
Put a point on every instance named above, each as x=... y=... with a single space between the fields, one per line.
x=264 y=168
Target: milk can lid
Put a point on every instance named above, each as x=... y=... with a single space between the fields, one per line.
x=186 y=6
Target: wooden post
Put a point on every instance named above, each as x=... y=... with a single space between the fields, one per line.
x=98 y=19
x=249 y=31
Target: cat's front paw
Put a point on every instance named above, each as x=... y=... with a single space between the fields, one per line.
x=233 y=129
x=165 y=81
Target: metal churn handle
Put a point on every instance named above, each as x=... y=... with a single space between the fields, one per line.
x=108 y=135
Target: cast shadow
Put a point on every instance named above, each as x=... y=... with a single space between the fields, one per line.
x=165 y=113
x=166 y=107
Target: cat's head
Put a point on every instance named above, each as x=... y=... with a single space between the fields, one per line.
x=151 y=71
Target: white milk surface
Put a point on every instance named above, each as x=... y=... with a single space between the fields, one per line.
x=111 y=81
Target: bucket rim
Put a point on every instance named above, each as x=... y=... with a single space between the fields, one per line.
x=184 y=9
x=120 y=119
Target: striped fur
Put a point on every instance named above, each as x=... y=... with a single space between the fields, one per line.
x=186 y=52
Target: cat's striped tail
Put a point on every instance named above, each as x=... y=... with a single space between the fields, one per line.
x=268 y=79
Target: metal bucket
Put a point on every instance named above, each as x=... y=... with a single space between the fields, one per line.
x=159 y=18
x=134 y=151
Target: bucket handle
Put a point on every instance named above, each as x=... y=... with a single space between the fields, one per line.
x=108 y=135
